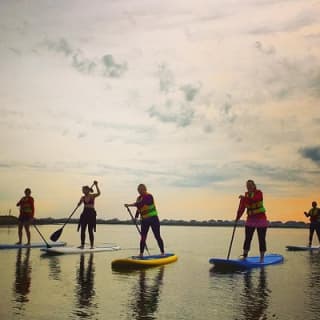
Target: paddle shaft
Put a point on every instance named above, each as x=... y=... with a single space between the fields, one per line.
x=233 y=232
x=42 y=237
x=135 y=223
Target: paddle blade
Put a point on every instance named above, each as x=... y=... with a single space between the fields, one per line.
x=56 y=235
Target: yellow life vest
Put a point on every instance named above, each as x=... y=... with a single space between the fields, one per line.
x=148 y=211
x=255 y=207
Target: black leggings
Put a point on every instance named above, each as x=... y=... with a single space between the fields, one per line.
x=154 y=223
x=261 y=236
x=314 y=226
x=87 y=218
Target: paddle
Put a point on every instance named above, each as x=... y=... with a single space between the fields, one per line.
x=241 y=208
x=47 y=244
x=233 y=232
x=56 y=235
x=134 y=221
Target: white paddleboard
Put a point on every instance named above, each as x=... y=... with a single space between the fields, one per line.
x=77 y=250
x=32 y=245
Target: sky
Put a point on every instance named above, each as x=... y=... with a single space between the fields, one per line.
x=191 y=98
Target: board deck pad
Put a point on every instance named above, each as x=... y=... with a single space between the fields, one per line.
x=32 y=245
x=302 y=248
x=145 y=261
x=77 y=250
x=249 y=262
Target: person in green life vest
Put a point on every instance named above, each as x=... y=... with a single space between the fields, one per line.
x=149 y=217
x=26 y=216
x=314 y=215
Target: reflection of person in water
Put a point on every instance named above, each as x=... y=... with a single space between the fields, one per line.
x=146 y=296
x=255 y=297
x=23 y=276
x=85 y=289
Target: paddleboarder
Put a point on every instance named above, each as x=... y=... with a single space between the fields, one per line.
x=314 y=215
x=88 y=216
x=252 y=201
x=149 y=217
x=26 y=216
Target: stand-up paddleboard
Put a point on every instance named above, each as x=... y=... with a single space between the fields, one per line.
x=136 y=262
x=249 y=262
x=302 y=248
x=77 y=250
x=32 y=245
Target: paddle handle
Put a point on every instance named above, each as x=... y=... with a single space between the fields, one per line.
x=134 y=221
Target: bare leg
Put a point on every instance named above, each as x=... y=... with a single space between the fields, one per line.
x=20 y=226
x=27 y=229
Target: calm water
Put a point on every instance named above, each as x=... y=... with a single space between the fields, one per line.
x=34 y=286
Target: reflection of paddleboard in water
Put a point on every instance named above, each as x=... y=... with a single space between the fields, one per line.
x=302 y=248
x=32 y=245
x=249 y=262
x=76 y=250
x=144 y=262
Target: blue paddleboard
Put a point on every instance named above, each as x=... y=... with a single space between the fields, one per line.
x=248 y=263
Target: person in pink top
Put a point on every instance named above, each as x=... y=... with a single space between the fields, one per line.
x=252 y=202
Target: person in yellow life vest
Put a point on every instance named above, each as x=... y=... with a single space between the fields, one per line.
x=252 y=202
x=314 y=215
x=26 y=216
x=149 y=217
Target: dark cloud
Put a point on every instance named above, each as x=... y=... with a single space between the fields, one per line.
x=111 y=68
x=311 y=153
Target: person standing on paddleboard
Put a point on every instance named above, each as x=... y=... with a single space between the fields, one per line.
x=252 y=201
x=314 y=215
x=149 y=217
x=88 y=216
x=26 y=216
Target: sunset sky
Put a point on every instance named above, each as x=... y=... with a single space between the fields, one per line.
x=191 y=98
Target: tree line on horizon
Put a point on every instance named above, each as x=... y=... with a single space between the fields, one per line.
x=13 y=220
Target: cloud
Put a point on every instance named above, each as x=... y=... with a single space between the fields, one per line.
x=60 y=45
x=301 y=20
x=268 y=51
x=111 y=68
x=83 y=64
x=105 y=66
x=311 y=153
x=166 y=78
x=182 y=115
x=190 y=91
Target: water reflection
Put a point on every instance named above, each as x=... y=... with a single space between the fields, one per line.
x=313 y=295
x=22 y=283
x=85 y=290
x=145 y=296
x=255 y=297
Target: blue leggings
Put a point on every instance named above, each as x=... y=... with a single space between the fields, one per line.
x=154 y=223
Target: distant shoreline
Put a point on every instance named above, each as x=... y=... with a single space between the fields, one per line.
x=7 y=220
